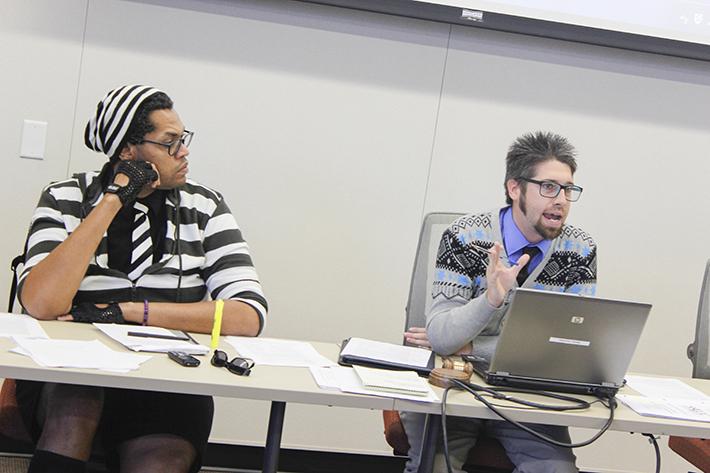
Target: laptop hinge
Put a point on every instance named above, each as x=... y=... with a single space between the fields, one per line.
x=608 y=385
x=502 y=373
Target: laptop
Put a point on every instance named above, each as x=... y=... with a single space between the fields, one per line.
x=554 y=341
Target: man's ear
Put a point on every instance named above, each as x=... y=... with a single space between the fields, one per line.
x=514 y=188
x=128 y=153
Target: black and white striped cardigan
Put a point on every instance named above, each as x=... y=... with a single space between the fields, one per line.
x=205 y=255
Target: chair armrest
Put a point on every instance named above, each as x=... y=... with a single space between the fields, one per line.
x=394 y=432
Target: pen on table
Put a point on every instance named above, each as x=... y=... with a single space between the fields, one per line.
x=158 y=335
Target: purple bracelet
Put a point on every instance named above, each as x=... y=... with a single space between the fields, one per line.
x=145 y=311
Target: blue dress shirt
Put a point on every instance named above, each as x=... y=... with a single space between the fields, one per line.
x=514 y=241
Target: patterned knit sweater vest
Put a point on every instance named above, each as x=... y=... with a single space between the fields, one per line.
x=570 y=265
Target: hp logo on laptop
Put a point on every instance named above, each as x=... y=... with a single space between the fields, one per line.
x=576 y=319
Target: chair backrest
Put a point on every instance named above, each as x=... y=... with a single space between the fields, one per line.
x=699 y=350
x=419 y=300
x=16 y=262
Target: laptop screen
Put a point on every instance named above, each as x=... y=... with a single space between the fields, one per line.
x=570 y=338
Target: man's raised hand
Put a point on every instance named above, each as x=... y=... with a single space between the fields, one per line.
x=500 y=278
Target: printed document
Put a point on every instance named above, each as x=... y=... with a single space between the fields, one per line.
x=119 y=332
x=664 y=388
x=404 y=382
x=666 y=397
x=20 y=325
x=92 y=354
x=345 y=379
x=671 y=409
x=278 y=352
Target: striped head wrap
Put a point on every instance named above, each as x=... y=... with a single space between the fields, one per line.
x=114 y=114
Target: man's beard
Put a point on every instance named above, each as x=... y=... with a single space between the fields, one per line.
x=548 y=233
x=544 y=232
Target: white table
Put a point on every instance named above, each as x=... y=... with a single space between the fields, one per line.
x=281 y=385
x=269 y=383
x=460 y=403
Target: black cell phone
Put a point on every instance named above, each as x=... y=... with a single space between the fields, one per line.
x=183 y=358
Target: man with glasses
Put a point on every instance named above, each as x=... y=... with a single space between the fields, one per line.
x=135 y=243
x=483 y=257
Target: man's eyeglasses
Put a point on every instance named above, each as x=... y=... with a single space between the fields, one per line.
x=174 y=145
x=551 y=189
x=240 y=366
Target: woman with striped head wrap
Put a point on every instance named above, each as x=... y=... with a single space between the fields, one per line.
x=120 y=246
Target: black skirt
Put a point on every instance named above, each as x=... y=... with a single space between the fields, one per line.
x=129 y=414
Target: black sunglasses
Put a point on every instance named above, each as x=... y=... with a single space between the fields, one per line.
x=238 y=365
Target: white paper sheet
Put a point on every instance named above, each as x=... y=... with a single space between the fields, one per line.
x=404 y=382
x=20 y=325
x=119 y=332
x=666 y=397
x=333 y=377
x=278 y=352
x=78 y=354
x=682 y=409
x=346 y=380
x=664 y=388
x=388 y=352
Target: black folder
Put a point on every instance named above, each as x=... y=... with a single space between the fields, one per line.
x=349 y=360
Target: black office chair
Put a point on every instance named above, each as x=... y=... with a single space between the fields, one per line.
x=13 y=434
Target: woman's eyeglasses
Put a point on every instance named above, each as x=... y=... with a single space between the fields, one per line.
x=173 y=146
x=237 y=365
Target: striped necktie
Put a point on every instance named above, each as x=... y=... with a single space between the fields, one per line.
x=142 y=255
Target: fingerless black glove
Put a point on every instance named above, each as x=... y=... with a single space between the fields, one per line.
x=88 y=312
x=139 y=174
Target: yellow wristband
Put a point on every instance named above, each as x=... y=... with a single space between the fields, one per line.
x=217 y=323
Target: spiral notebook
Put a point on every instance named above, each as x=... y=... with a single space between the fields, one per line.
x=400 y=382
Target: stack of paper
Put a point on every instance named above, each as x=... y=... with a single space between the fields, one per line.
x=400 y=382
x=277 y=352
x=666 y=397
x=77 y=354
x=345 y=379
x=158 y=344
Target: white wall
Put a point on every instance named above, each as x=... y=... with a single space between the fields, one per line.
x=331 y=131
x=40 y=60
x=641 y=126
